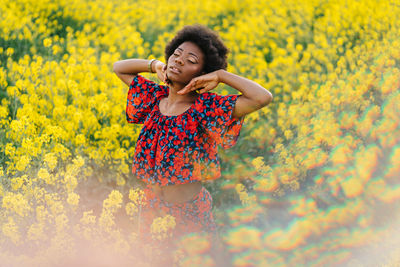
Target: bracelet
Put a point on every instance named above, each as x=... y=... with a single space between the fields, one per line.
x=150 y=62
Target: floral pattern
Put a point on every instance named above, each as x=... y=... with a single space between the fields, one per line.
x=182 y=148
x=191 y=216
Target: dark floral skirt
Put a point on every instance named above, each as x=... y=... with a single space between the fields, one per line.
x=191 y=216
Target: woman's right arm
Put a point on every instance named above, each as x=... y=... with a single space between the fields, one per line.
x=126 y=69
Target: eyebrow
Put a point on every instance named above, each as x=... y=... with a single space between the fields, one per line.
x=189 y=52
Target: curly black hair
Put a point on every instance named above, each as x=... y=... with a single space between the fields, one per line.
x=215 y=52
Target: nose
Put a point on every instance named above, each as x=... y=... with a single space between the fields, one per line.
x=179 y=60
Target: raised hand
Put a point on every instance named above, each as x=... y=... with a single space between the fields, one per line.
x=161 y=69
x=203 y=83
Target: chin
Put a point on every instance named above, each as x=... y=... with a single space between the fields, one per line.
x=177 y=80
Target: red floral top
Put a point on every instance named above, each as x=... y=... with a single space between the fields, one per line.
x=183 y=148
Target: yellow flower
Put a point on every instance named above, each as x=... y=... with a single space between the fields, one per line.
x=56 y=49
x=41 y=213
x=288 y=134
x=162 y=227
x=195 y=244
x=258 y=162
x=16 y=203
x=70 y=182
x=88 y=218
x=131 y=209
x=10 y=51
x=73 y=199
x=51 y=160
x=341 y=155
x=137 y=197
x=243 y=237
x=106 y=220
x=394 y=165
x=352 y=187
x=114 y=201
x=44 y=175
x=268 y=184
x=61 y=221
x=10 y=230
x=244 y=196
x=120 y=180
x=79 y=162
x=16 y=183
x=47 y=42
x=35 y=232
x=22 y=163
x=80 y=139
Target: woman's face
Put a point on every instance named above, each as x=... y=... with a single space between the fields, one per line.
x=185 y=63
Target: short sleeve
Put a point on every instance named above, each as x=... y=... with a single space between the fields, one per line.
x=142 y=96
x=215 y=115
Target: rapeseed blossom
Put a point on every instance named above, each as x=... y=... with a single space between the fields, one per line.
x=16 y=202
x=138 y=201
x=162 y=227
x=305 y=178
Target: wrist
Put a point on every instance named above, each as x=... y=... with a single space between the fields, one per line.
x=153 y=65
x=150 y=65
x=220 y=74
x=158 y=65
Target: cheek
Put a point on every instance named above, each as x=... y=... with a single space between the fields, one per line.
x=169 y=61
x=194 y=71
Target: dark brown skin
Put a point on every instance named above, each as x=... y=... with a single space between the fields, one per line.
x=184 y=81
x=188 y=61
x=191 y=78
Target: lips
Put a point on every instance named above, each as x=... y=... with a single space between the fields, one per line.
x=174 y=69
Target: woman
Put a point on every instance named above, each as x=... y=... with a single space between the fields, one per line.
x=184 y=123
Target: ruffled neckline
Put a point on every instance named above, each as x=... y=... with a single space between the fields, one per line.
x=166 y=93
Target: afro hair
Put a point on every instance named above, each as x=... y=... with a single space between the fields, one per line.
x=215 y=52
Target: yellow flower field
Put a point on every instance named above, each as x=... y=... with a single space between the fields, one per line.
x=312 y=181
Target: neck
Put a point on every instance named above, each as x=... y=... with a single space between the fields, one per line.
x=175 y=98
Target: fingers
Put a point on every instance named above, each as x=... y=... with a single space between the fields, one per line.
x=162 y=73
x=206 y=89
x=202 y=83
x=191 y=86
x=166 y=79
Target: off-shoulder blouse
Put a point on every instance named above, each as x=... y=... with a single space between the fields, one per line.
x=183 y=148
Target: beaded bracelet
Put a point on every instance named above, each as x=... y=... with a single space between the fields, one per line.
x=150 y=62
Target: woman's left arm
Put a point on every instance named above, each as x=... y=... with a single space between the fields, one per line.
x=254 y=96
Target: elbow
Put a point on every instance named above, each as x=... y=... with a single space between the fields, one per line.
x=266 y=100
x=269 y=98
x=115 y=67
x=118 y=67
